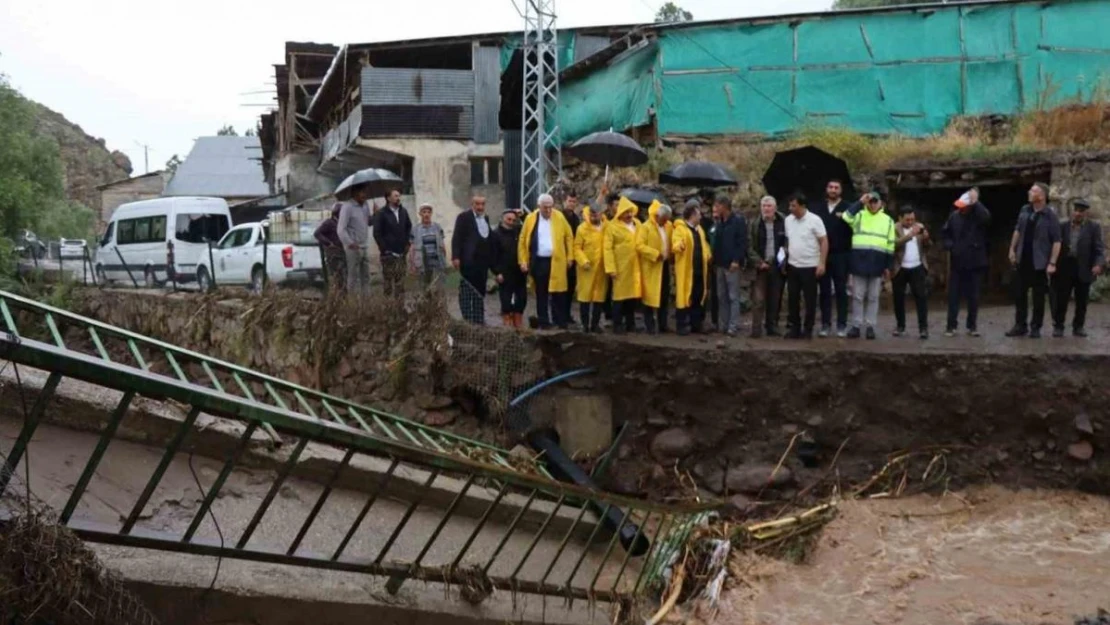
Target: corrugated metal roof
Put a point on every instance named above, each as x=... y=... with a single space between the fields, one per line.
x=221 y=167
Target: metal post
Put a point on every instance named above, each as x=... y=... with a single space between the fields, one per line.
x=540 y=137
x=127 y=269
x=265 y=255
x=212 y=267
x=324 y=266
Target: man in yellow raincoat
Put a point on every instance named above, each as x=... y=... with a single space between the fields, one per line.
x=592 y=282
x=546 y=253
x=653 y=244
x=622 y=264
x=691 y=269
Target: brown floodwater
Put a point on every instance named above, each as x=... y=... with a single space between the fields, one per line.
x=986 y=555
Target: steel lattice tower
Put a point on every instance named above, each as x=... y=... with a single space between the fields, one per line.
x=541 y=160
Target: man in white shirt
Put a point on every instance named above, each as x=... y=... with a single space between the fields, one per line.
x=807 y=250
x=911 y=269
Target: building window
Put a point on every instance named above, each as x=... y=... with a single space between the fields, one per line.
x=485 y=171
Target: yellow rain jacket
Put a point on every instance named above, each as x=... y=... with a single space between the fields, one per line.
x=562 y=242
x=682 y=241
x=589 y=244
x=621 y=261
x=649 y=245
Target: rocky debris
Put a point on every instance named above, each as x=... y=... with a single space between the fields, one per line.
x=522 y=452
x=740 y=505
x=437 y=418
x=1083 y=424
x=1081 y=451
x=815 y=421
x=433 y=402
x=710 y=475
x=754 y=477
x=1102 y=618
x=672 y=444
x=85 y=159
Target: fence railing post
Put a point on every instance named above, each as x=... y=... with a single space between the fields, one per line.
x=212 y=267
x=127 y=269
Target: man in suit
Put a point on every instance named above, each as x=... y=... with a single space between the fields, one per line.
x=1081 y=261
x=965 y=237
x=833 y=285
x=471 y=254
x=392 y=233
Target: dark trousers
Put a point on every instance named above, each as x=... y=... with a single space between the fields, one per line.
x=766 y=299
x=624 y=312
x=548 y=304
x=514 y=295
x=964 y=284
x=607 y=306
x=836 y=277
x=714 y=303
x=692 y=318
x=590 y=312
x=336 y=265
x=572 y=287
x=393 y=274
x=472 y=293
x=801 y=282
x=1028 y=279
x=918 y=281
x=664 y=297
x=1066 y=281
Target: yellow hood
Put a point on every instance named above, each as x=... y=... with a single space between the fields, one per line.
x=626 y=206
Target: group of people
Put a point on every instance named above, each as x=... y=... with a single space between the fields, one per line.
x=619 y=261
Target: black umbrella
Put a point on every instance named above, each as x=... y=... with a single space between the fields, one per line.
x=378 y=181
x=609 y=148
x=698 y=174
x=808 y=170
x=642 y=197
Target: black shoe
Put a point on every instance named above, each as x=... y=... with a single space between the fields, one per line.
x=1035 y=333
x=1058 y=332
x=595 y=329
x=900 y=332
x=950 y=332
x=924 y=336
x=973 y=332
x=853 y=333
x=870 y=334
x=618 y=329
x=807 y=335
x=1017 y=331
x=773 y=332
x=1080 y=332
x=792 y=335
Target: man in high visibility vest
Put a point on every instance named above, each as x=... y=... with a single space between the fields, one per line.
x=871 y=262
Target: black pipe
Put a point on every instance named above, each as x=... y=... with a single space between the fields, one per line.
x=212 y=268
x=562 y=467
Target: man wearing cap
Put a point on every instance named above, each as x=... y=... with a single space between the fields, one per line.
x=1034 y=252
x=871 y=261
x=965 y=237
x=428 y=253
x=1082 y=257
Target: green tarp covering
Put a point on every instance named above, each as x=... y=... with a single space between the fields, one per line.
x=904 y=72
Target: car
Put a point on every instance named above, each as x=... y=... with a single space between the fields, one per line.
x=72 y=248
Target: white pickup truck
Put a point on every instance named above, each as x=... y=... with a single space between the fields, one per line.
x=242 y=253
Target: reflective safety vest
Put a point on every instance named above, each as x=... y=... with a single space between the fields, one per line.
x=872 y=241
x=871 y=231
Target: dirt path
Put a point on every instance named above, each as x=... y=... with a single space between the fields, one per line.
x=1026 y=557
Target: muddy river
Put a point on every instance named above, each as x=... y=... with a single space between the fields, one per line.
x=987 y=555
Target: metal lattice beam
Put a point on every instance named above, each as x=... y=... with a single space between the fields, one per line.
x=541 y=160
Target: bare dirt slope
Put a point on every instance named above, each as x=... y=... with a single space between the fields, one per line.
x=989 y=555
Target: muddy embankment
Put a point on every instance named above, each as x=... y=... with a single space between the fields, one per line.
x=724 y=417
x=728 y=416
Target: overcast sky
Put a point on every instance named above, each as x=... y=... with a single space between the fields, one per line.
x=162 y=73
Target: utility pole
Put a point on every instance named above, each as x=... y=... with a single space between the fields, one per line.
x=542 y=158
x=146 y=156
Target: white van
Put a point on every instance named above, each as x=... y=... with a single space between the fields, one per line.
x=161 y=240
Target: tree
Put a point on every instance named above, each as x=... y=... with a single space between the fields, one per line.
x=227 y=131
x=251 y=132
x=869 y=4
x=671 y=12
x=31 y=178
x=171 y=165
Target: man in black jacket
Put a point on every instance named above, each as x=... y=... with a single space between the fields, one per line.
x=831 y=211
x=730 y=255
x=392 y=232
x=965 y=238
x=472 y=255
x=570 y=211
x=1082 y=258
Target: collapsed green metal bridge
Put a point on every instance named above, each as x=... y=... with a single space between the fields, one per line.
x=522 y=499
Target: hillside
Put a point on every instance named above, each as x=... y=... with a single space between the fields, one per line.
x=86 y=160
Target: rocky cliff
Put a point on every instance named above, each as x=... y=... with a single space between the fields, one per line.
x=86 y=160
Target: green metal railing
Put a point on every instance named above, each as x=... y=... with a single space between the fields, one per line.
x=564 y=530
